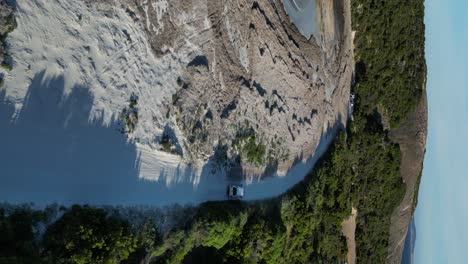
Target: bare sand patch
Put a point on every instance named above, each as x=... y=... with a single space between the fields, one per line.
x=348 y=227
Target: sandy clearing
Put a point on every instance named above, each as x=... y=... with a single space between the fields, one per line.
x=348 y=228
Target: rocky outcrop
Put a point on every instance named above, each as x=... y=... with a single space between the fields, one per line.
x=411 y=136
x=254 y=93
x=227 y=87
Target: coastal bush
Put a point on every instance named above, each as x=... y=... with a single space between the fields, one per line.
x=129 y=115
x=389 y=51
x=214 y=225
x=88 y=235
x=250 y=147
x=17 y=236
x=390 y=79
x=9 y=24
x=7 y=66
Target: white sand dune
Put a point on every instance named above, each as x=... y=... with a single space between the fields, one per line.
x=98 y=47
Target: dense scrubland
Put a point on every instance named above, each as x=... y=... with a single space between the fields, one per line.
x=389 y=55
x=360 y=169
x=8 y=24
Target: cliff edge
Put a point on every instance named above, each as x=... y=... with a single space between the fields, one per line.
x=411 y=136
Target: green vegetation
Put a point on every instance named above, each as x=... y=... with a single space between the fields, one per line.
x=277 y=151
x=305 y=224
x=81 y=235
x=260 y=241
x=130 y=115
x=9 y=26
x=390 y=78
x=168 y=145
x=390 y=63
x=250 y=150
x=213 y=225
x=17 y=243
x=360 y=169
x=7 y=66
x=87 y=235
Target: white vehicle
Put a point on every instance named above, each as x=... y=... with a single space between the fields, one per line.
x=235 y=192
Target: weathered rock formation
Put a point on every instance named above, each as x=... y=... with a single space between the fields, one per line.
x=411 y=136
x=254 y=93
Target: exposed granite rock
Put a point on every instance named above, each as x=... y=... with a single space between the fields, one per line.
x=250 y=73
x=411 y=136
x=246 y=81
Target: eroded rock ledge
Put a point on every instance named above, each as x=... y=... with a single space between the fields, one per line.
x=231 y=82
x=254 y=94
